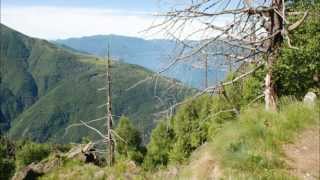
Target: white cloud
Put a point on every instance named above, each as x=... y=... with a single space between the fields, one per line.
x=59 y=22
x=56 y=22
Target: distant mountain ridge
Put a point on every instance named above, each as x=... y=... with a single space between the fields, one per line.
x=153 y=54
x=44 y=88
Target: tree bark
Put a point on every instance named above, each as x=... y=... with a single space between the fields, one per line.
x=109 y=113
x=270 y=94
x=276 y=24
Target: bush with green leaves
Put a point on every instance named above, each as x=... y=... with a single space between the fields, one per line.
x=173 y=140
x=31 y=152
x=7 y=168
x=244 y=91
x=298 y=70
x=7 y=165
x=161 y=140
x=221 y=112
x=196 y=121
x=190 y=128
x=129 y=140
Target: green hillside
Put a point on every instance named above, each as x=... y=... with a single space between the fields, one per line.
x=45 y=88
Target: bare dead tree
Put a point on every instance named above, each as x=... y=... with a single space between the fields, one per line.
x=257 y=28
x=204 y=60
x=110 y=140
x=110 y=137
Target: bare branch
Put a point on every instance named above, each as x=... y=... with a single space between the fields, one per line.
x=81 y=124
x=213 y=88
x=242 y=76
x=298 y=23
x=94 y=129
x=139 y=82
x=289 y=43
x=255 y=99
x=118 y=136
x=101 y=89
x=220 y=112
x=102 y=105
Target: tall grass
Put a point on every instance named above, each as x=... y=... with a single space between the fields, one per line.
x=251 y=148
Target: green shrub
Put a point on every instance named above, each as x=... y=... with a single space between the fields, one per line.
x=297 y=70
x=31 y=152
x=136 y=156
x=7 y=165
x=132 y=147
x=173 y=140
x=194 y=121
x=161 y=141
x=221 y=112
x=189 y=132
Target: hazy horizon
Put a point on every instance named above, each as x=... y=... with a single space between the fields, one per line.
x=53 y=20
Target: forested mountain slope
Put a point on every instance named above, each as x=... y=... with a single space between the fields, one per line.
x=45 y=88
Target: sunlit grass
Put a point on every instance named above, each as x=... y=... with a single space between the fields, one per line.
x=251 y=148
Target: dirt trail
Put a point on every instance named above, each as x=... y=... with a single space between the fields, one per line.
x=202 y=166
x=304 y=155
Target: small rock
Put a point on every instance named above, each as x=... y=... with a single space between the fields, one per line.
x=99 y=175
x=310 y=98
x=132 y=167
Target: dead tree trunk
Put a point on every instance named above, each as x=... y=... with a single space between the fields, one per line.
x=266 y=39
x=206 y=71
x=274 y=29
x=110 y=141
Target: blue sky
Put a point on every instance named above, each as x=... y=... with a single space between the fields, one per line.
x=57 y=19
x=134 y=5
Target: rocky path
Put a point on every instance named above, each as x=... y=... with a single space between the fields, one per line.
x=304 y=155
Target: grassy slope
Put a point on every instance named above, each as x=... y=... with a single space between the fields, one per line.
x=45 y=88
x=252 y=146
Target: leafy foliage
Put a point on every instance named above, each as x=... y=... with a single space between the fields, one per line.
x=190 y=128
x=132 y=147
x=7 y=165
x=159 y=146
x=297 y=70
x=173 y=140
x=243 y=92
x=31 y=152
